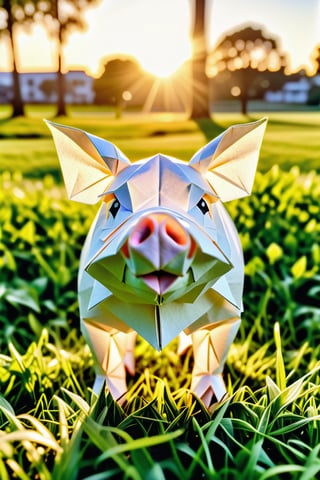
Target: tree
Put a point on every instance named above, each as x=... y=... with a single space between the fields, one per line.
x=248 y=56
x=199 y=82
x=48 y=88
x=14 y=13
x=316 y=59
x=122 y=80
x=314 y=92
x=61 y=17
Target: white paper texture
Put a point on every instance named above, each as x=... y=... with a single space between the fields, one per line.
x=162 y=257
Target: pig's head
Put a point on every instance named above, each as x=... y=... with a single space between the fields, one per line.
x=162 y=234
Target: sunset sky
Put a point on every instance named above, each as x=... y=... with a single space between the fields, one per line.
x=157 y=33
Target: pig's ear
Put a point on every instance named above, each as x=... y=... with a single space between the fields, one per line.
x=229 y=161
x=88 y=163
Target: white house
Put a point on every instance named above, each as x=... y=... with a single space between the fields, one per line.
x=5 y=86
x=291 y=92
x=78 y=87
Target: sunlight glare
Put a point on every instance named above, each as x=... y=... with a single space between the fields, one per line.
x=160 y=46
x=164 y=63
x=156 y=33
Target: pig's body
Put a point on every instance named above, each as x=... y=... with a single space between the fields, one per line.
x=162 y=256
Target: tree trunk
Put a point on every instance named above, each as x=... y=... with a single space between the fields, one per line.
x=244 y=104
x=17 y=104
x=61 y=106
x=246 y=80
x=200 y=83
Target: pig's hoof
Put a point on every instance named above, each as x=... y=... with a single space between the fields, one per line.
x=209 y=388
x=116 y=386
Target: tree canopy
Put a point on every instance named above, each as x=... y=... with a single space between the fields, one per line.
x=13 y=13
x=245 y=58
x=60 y=18
x=315 y=55
x=122 y=81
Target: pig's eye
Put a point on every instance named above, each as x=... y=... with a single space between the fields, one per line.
x=203 y=206
x=114 y=208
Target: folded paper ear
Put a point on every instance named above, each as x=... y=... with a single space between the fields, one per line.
x=229 y=162
x=88 y=163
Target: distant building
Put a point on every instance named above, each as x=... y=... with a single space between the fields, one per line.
x=316 y=80
x=79 y=87
x=40 y=87
x=5 y=87
x=293 y=91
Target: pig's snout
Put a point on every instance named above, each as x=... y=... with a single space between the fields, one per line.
x=159 y=246
x=167 y=228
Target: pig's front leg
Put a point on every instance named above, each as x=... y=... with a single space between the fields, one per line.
x=113 y=353
x=210 y=349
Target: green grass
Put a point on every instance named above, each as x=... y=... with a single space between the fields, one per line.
x=291 y=138
x=52 y=426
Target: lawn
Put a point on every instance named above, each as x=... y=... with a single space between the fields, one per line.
x=52 y=426
x=291 y=138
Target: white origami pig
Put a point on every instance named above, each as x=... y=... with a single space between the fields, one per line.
x=162 y=257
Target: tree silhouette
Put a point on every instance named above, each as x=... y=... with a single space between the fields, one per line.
x=61 y=17
x=316 y=59
x=249 y=56
x=314 y=92
x=14 y=13
x=48 y=87
x=121 y=80
x=200 y=81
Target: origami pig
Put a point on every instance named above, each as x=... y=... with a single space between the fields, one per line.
x=162 y=257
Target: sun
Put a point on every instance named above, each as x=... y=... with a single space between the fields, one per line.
x=157 y=34
x=159 y=38
x=164 y=62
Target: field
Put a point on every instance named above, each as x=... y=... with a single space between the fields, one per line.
x=52 y=426
x=291 y=139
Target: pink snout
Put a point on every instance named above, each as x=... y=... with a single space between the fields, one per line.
x=159 y=249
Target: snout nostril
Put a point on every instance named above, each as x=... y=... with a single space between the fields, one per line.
x=142 y=231
x=176 y=232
